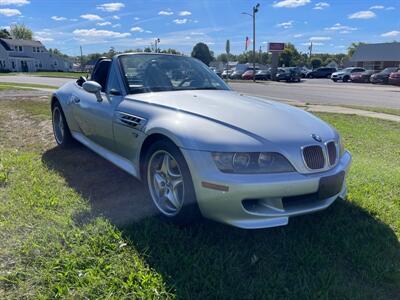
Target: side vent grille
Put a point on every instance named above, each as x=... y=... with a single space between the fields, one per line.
x=129 y=120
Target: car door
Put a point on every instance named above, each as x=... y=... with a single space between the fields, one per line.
x=95 y=118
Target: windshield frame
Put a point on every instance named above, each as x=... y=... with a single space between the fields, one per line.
x=224 y=85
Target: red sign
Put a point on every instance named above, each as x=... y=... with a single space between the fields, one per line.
x=276 y=47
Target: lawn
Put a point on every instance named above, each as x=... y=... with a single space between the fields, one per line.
x=49 y=74
x=62 y=235
x=14 y=86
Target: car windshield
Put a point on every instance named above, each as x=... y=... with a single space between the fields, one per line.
x=389 y=70
x=156 y=72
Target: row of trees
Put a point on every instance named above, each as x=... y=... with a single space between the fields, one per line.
x=289 y=57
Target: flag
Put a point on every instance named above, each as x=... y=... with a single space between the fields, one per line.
x=247 y=43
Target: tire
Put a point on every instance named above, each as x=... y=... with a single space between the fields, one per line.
x=334 y=80
x=61 y=131
x=346 y=78
x=162 y=156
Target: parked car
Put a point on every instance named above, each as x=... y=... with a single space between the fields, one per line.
x=304 y=71
x=237 y=74
x=263 y=74
x=321 y=73
x=362 y=76
x=383 y=76
x=292 y=74
x=216 y=71
x=226 y=73
x=344 y=75
x=200 y=148
x=394 y=78
x=248 y=75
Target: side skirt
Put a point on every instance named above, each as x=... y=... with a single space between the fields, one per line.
x=115 y=159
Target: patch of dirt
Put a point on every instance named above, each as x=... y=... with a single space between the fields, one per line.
x=111 y=192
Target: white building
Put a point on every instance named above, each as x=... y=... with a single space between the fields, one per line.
x=29 y=56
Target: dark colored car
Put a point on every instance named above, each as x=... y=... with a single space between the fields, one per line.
x=289 y=74
x=263 y=75
x=383 y=76
x=237 y=74
x=362 y=76
x=321 y=73
x=394 y=78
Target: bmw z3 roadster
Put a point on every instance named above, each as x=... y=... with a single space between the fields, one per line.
x=200 y=148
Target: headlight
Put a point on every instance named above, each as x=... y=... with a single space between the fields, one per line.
x=251 y=162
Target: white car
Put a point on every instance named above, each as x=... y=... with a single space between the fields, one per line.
x=344 y=75
x=200 y=148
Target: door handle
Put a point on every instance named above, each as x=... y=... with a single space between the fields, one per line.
x=76 y=100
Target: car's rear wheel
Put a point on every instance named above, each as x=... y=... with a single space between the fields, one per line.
x=346 y=78
x=170 y=183
x=61 y=131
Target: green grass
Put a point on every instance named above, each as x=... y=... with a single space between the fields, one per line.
x=58 y=240
x=12 y=85
x=49 y=74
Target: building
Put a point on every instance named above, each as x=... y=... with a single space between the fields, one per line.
x=29 y=56
x=377 y=56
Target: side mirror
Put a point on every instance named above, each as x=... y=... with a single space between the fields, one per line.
x=94 y=88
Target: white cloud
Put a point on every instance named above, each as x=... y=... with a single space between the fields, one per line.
x=137 y=29
x=390 y=8
x=180 y=21
x=14 y=2
x=55 y=18
x=136 y=18
x=74 y=20
x=185 y=13
x=91 y=17
x=116 y=25
x=104 y=23
x=9 y=12
x=286 y=25
x=341 y=28
x=393 y=33
x=43 y=38
x=321 y=5
x=291 y=3
x=110 y=7
x=377 y=7
x=165 y=13
x=320 y=38
x=116 y=17
x=363 y=14
x=197 y=33
x=148 y=31
x=94 y=33
x=314 y=44
x=299 y=35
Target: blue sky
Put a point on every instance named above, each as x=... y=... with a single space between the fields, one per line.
x=332 y=25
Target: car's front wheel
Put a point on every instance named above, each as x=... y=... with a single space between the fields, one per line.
x=61 y=131
x=170 y=183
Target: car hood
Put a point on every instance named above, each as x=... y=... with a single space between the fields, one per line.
x=259 y=118
x=338 y=73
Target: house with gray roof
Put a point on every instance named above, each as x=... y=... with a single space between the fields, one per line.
x=377 y=56
x=29 y=56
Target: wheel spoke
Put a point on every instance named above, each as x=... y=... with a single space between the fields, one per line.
x=172 y=199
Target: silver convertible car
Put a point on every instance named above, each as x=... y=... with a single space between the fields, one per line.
x=200 y=148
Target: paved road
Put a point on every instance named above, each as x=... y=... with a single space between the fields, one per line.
x=314 y=91
x=324 y=91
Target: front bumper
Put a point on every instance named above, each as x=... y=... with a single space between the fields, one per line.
x=258 y=200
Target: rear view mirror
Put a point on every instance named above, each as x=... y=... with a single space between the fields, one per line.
x=94 y=88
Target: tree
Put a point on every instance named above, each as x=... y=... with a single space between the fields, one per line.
x=352 y=48
x=289 y=56
x=21 y=32
x=202 y=52
x=316 y=62
x=4 y=34
x=147 y=49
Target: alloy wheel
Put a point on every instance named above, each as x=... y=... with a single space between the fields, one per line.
x=58 y=125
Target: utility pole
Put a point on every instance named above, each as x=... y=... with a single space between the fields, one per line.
x=310 y=48
x=253 y=15
x=81 y=59
x=156 y=42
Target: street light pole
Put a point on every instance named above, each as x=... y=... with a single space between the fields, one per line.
x=253 y=15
